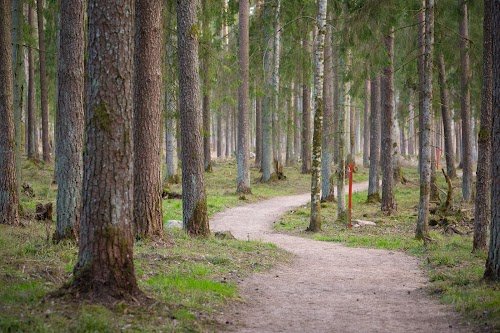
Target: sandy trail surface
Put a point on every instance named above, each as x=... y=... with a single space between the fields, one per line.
x=328 y=287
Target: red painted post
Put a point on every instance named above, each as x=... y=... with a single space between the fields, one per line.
x=349 y=212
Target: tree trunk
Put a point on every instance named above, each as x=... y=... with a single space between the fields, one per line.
x=70 y=119
x=327 y=188
x=411 y=130
x=352 y=135
x=17 y=69
x=319 y=62
x=493 y=263
x=289 y=128
x=336 y=97
x=366 y=128
x=306 y=108
x=420 y=70
x=276 y=84
x=373 y=180
x=243 y=182
x=148 y=218
x=220 y=152
x=258 y=131
x=387 y=83
x=171 y=111
x=43 y=83
x=422 y=230
x=465 y=104
x=342 y=136
x=105 y=266
x=445 y=114
x=267 y=148
x=9 y=199
x=205 y=62
x=194 y=201
x=296 y=122
x=482 y=206
x=31 y=117
x=228 y=131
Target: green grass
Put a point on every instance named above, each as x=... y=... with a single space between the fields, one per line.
x=188 y=280
x=454 y=271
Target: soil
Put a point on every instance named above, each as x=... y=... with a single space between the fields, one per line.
x=328 y=287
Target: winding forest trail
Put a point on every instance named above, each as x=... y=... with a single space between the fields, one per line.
x=328 y=287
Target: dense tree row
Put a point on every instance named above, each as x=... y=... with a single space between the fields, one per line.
x=237 y=77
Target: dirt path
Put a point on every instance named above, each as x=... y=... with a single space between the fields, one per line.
x=328 y=287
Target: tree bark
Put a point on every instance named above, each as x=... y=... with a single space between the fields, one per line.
x=258 y=131
x=373 y=180
x=387 y=90
x=336 y=98
x=194 y=201
x=445 y=114
x=327 y=188
x=43 y=83
x=420 y=70
x=105 y=266
x=31 y=117
x=276 y=85
x=482 y=205
x=205 y=61
x=9 y=199
x=17 y=69
x=296 y=122
x=411 y=130
x=366 y=124
x=422 y=230
x=148 y=218
x=319 y=62
x=306 y=108
x=492 y=271
x=70 y=119
x=342 y=136
x=289 y=157
x=465 y=103
x=243 y=181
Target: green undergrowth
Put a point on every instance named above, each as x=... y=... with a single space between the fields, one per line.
x=188 y=280
x=454 y=271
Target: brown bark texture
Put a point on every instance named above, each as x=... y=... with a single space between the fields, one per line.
x=306 y=109
x=105 y=266
x=445 y=114
x=493 y=262
x=194 y=200
x=482 y=205
x=243 y=156
x=387 y=91
x=70 y=119
x=366 y=126
x=30 y=117
x=373 y=179
x=258 y=131
x=43 y=83
x=465 y=108
x=148 y=219
x=9 y=199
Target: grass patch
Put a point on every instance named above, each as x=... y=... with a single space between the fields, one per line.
x=455 y=273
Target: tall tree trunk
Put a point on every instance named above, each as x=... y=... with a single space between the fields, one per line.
x=205 y=62
x=105 y=266
x=420 y=70
x=493 y=263
x=319 y=63
x=327 y=188
x=31 y=117
x=352 y=135
x=70 y=119
x=366 y=126
x=336 y=98
x=306 y=108
x=258 y=131
x=342 y=139
x=458 y=144
x=43 y=83
x=296 y=122
x=171 y=110
x=148 y=218
x=465 y=103
x=220 y=152
x=411 y=130
x=276 y=84
x=289 y=128
x=482 y=205
x=243 y=182
x=9 y=199
x=445 y=114
x=422 y=230
x=17 y=69
x=373 y=180
x=194 y=200
x=388 y=199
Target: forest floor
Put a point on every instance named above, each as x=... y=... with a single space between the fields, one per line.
x=328 y=287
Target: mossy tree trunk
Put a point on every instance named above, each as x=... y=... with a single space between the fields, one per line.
x=319 y=62
x=493 y=262
x=194 y=200
x=243 y=156
x=9 y=199
x=105 y=266
x=422 y=230
x=482 y=205
x=70 y=119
